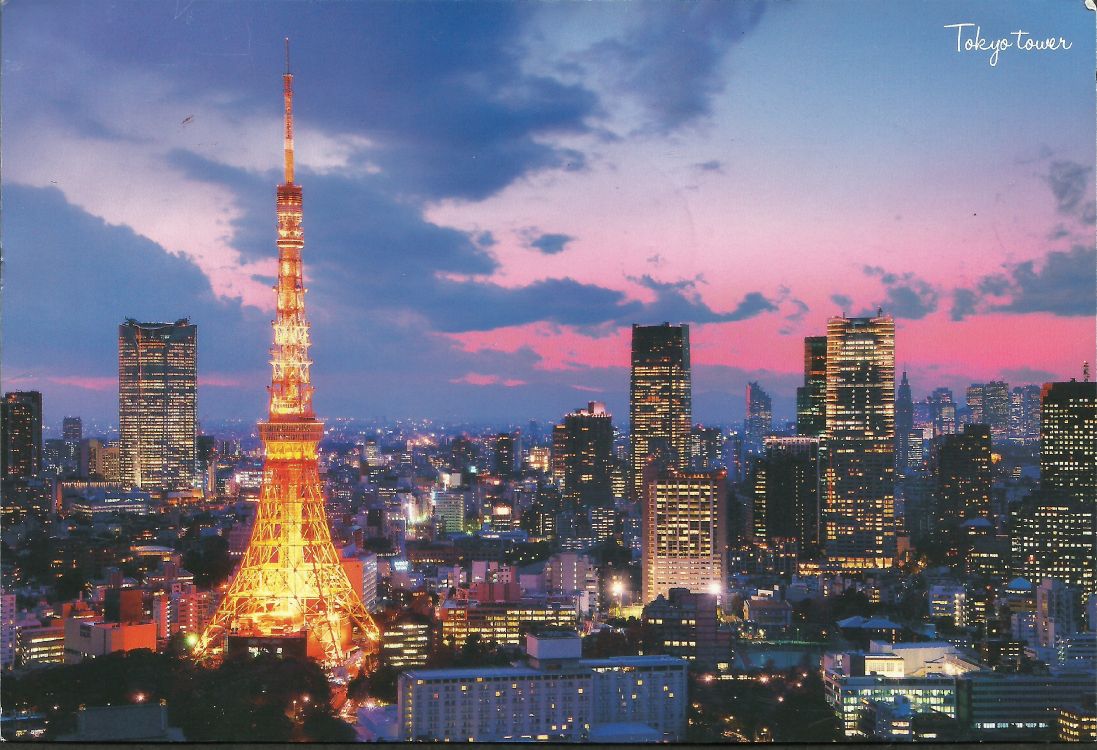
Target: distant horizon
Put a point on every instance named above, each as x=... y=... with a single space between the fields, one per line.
x=495 y=192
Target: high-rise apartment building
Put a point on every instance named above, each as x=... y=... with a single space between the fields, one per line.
x=811 y=398
x=962 y=472
x=585 y=445
x=21 y=435
x=786 y=493
x=684 y=531
x=157 y=403
x=759 y=420
x=660 y=398
x=859 y=509
x=1068 y=438
x=1024 y=414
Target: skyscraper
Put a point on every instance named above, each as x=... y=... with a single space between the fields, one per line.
x=706 y=448
x=291 y=592
x=786 y=493
x=1052 y=536
x=996 y=410
x=72 y=432
x=811 y=398
x=504 y=454
x=962 y=473
x=859 y=510
x=684 y=528
x=21 y=435
x=976 y=397
x=157 y=403
x=904 y=424
x=942 y=409
x=586 y=447
x=660 y=411
x=1024 y=414
x=759 y=421
x=1068 y=438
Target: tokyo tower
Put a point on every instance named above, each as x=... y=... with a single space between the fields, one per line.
x=291 y=592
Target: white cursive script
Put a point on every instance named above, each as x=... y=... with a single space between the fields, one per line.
x=966 y=41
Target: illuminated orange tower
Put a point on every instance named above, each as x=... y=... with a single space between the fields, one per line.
x=291 y=586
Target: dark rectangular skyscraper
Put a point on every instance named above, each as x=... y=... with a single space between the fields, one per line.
x=786 y=493
x=961 y=467
x=659 y=398
x=587 y=456
x=1068 y=438
x=811 y=398
x=21 y=435
x=157 y=404
x=859 y=509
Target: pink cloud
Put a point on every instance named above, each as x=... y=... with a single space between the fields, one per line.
x=88 y=382
x=476 y=378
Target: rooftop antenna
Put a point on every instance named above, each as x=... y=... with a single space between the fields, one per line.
x=287 y=92
x=1085 y=372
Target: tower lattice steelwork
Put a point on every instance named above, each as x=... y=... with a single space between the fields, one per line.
x=291 y=581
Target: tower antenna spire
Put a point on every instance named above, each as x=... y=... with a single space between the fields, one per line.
x=287 y=94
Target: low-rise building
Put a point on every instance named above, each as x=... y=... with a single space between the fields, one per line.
x=556 y=695
x=87 y=639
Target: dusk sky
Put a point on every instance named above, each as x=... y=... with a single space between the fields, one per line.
x=495 y=192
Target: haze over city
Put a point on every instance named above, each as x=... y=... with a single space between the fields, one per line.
x=496 y=192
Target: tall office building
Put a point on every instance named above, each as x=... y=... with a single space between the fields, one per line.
x=904 y=425
x=72 y=432
x=504 y=454
x=962 y=472
x=157 y=403
x=660 y=411
x=21 y=435
x=786 y=493
x=996 y=410
x=1068 y=438
x=684 y=528
x=759 y=420
x=975 y=398
x=1024 y=414
x=942 y=408
x=706 y=448
x=859 y=509
x=811 y=398
x=586 y=449
x=1052 y=535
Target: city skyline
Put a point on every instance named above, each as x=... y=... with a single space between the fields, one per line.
x=516 y=300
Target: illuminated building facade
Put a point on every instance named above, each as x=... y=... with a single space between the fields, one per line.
x=21 y=435
x=157 y=404
x=555 y=696
x=684 y=532
x=660 y=399
x=811 y=397
x=1052 y=536
x=291 y=582
x=706 y=448
x=1068 y=438
x=1024 y=414
x=502 y=622
x=407 y=643
x=996 y=409
x=942 y=409
x=859 y=509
